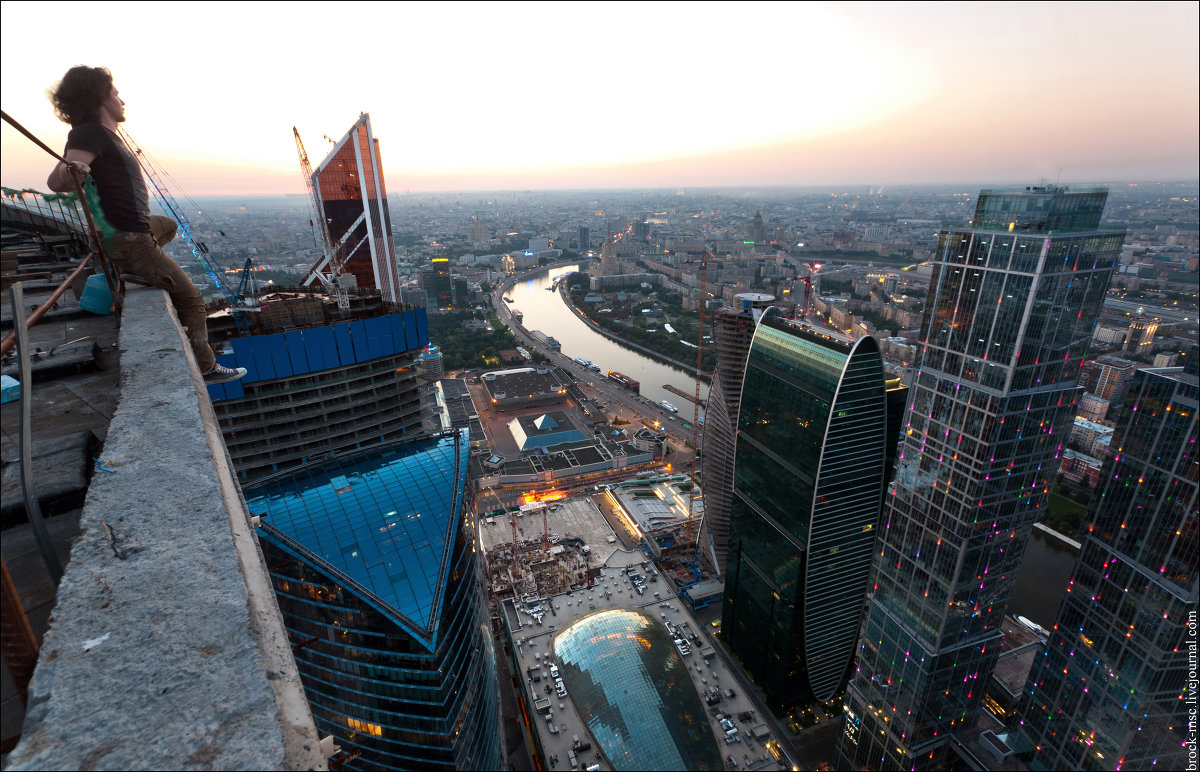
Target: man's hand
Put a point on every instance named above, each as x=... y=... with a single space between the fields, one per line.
x=62 y=179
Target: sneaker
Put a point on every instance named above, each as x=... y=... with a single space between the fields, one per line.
x=220 y=374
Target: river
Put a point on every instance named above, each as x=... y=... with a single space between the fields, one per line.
x=1045 y=567
x=546 y=311
x=1042 y=579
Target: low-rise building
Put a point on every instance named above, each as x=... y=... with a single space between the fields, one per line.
x=524 y=387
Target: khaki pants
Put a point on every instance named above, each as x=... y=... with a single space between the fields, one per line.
x=141 y=254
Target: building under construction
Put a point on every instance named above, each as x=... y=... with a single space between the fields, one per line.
x=536 y=561
x=319 y=379
x=733 y=330
x=331 y=366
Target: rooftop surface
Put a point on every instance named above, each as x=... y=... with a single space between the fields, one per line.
x=654 y=504
x=522 y=382
x=382 y=518
x=460 y=409
x=705 y=664
x=543 y=430
x=1017 y=652
x=75 y=370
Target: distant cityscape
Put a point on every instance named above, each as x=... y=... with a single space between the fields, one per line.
x=715 y=479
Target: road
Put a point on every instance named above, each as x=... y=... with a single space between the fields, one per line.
x=613 y=398
x=1165 y=314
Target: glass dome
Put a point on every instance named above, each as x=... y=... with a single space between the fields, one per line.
x=632 y=688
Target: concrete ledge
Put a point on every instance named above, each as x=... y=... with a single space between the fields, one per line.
x=166 y=649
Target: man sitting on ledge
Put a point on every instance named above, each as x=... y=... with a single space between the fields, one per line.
x=87 y=99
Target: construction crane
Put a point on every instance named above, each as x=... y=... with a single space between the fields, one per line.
x=812 y=271
x=239 y=304
x=801 y=309
x=315 y=210
x=705 y=259
x=331 y=282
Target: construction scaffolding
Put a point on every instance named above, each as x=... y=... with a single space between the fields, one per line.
x=538 y=567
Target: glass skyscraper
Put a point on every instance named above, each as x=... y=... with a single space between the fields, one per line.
x=1012 y=304
x=1110 y=690
x=733 y=331
x=809 y=476
x=353 y=200
x=372 y=554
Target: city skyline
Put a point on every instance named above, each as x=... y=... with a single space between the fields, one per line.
x=858 y=95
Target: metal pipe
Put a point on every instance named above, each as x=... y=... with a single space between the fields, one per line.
x=11 y=339
x=36 y=522
x=17 y=641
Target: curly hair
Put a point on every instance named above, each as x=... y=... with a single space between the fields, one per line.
x=78 y=96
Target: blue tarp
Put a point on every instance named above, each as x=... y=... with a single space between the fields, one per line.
x=297 y=352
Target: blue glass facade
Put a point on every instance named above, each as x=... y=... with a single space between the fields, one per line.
x=632 y=688
x=809 y=475
x=372 y=555
x=1013 y=301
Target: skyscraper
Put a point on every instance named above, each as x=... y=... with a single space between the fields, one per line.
x=319 y=379
x=1140 y=340
x=733 y=331
x=756 y=231
x=608 y=257
x=439 y=290
x=478 y=232
x=353 y=200
x=1109 y=378
x=372 y=555
x=1012 y=303
x=1110 y=690
x=809 y=478
x=585 y=240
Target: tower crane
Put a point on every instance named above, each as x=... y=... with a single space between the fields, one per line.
x=315 y=210
x=329 y=251
x=239 y=304
x=703 y=262
x=801 y=309
x=808 y=282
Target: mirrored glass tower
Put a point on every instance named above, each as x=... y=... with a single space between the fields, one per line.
x=353 y=200
x=1012 y=304
x=809 y=474
x=1111 y=689
x=372 y=555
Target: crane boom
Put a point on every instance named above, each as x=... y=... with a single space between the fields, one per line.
x=329 y=250
x=236 y=298
x=307 y=172
x=705 y=259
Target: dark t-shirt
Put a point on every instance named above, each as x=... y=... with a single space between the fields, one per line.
x=118 y=177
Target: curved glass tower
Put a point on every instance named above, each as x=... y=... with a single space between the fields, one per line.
x=809 y=475
x=372 y=558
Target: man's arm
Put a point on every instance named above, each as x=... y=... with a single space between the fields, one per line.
x=60 y=179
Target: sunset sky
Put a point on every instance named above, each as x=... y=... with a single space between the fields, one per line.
x=603 y=95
